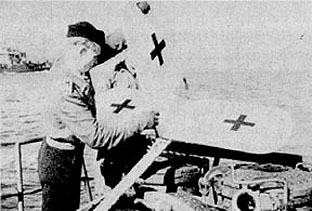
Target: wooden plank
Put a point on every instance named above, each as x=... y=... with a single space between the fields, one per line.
x=157 y=148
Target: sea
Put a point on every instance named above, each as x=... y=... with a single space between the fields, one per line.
x=23 y=96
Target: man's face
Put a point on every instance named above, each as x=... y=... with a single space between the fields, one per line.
x=78 y=57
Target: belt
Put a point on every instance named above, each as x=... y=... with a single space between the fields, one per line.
x=59 y=145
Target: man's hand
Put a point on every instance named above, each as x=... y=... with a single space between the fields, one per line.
x=149 y=133
x=154 y=120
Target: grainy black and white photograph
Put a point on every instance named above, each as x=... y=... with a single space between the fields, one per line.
x=156 y=105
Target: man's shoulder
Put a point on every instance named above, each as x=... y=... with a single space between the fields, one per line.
x=63 y=84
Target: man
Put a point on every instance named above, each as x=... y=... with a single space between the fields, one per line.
x=70 y=119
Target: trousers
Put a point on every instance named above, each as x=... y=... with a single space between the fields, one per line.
x=120 y=160
x=59 y=174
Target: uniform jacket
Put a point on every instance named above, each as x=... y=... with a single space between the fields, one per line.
x=70 y=112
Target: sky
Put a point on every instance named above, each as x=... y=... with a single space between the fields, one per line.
x=38 y=27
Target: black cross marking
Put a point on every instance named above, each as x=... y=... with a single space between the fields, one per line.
x=122 y=105
x=240 y=121
x=157 y=50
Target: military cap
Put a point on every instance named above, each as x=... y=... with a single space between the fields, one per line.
x=86 y=30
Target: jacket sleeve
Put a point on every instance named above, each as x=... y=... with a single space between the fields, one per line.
x=78 y=117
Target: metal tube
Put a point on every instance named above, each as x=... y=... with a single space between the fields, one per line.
x=30 y=141
x=87 y=179
x=19 y=170
x=27 y=192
